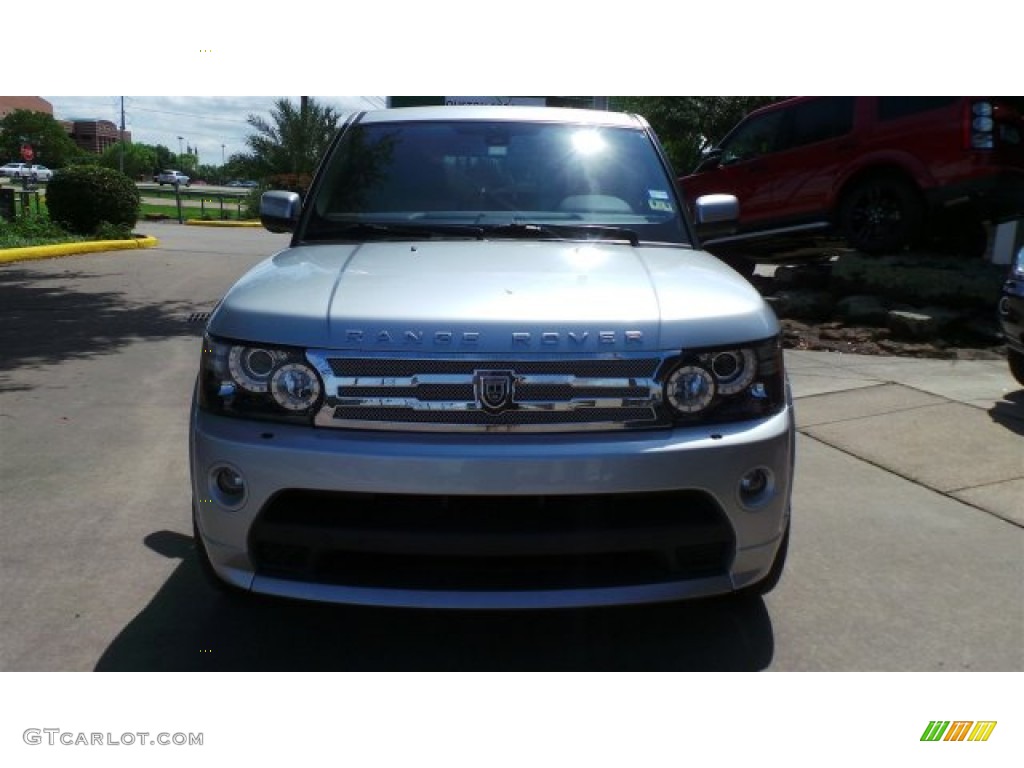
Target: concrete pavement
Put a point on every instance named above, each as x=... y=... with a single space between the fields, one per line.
x=956 y=427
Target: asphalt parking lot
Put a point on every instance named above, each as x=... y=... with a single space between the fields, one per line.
x=907 y=549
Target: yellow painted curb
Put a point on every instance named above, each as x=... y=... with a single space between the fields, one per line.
x=201 y=223
x=8 y=255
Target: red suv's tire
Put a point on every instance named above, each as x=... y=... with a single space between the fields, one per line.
x=1016 y=360
x=881 y=214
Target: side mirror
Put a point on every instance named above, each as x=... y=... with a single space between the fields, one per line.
x=716 y=215
x=711 y=160
x=279 y=211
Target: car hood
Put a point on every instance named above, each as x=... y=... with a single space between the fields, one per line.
x=493 y=296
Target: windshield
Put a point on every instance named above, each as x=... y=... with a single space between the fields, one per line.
x=497 y=178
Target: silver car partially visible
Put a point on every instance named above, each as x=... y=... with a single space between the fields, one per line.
x=492 y=370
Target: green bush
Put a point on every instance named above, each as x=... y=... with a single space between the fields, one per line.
x=251 y=203
x=82 y=198
x=107 y=231
x=31 y=229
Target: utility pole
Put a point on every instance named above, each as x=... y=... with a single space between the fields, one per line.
x=122 y=135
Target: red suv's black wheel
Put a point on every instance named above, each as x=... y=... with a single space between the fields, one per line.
x=881 y=214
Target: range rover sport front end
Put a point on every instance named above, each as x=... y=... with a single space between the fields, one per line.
x=492 y=370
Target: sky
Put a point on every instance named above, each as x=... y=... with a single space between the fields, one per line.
x=204 y=122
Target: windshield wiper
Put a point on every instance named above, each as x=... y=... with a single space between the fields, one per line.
x=562 y=231
x=370 y=229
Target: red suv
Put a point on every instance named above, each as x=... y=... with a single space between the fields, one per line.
x=881 y=171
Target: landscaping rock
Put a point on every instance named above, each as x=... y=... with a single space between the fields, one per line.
x=912 y=325
x=814 y=277
x=945 y=318
x=920 y=278
x=915 y=305
x=862 y=310
x=802 y=305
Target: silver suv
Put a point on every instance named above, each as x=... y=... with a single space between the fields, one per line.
x=172 y=177
x=492 y=370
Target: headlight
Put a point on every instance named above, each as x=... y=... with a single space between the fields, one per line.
x=733 y=384
x=1018 y=263
x=295 y=387
x=258 y=381
x=690 y=389
x=251 y=366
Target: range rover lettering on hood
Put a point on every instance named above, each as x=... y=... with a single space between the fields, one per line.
x=523 y=339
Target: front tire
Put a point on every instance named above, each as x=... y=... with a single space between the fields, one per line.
x=881 y=214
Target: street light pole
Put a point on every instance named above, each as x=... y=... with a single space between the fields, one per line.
x=222 y=154
x=181 y=151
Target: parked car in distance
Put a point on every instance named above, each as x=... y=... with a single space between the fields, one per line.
x=241 y=183
x=172 y=177
x=1011 y=316
x=883 y=172
x=492 y=370
x=26 y=171
x=12 y=170
x=40 y=173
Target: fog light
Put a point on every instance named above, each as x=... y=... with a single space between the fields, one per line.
x=756 y=486
x=230 y=482
x=227 y=486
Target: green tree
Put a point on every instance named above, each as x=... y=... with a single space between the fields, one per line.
x=240 y=166
x=293 y=140
x=690 y=125
x=211 y=174
x=165 y=158
x=51 y=143
x=139 y=160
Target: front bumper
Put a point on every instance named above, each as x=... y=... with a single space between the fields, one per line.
x=701 y=467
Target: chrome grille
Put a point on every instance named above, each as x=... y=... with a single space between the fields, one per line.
x=589 y=367
x=439 y=394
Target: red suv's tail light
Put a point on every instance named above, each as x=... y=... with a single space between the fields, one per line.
x=979 y=127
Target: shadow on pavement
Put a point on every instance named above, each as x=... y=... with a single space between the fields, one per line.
x=47 y=318
x=1010 y=412
x=189 y=626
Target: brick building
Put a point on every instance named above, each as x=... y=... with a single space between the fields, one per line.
x=94 y=135
x=32 y=103
x=90 y=134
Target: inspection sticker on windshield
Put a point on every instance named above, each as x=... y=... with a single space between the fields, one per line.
x=657 y=200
